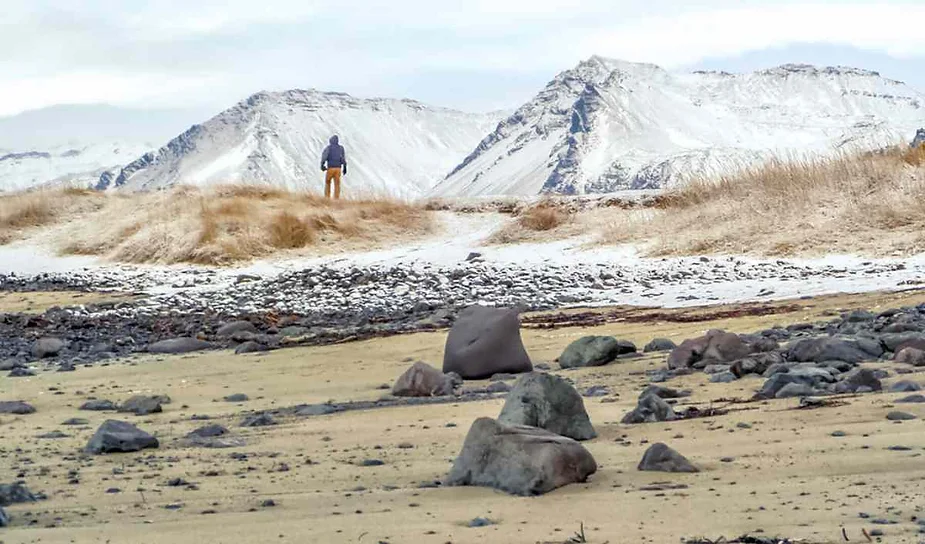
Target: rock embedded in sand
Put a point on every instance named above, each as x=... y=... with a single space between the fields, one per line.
x=142 y=405
x=650 y=409
x=594 y=351
x=547 y=402
x=664 y=392
x=262 y=419
x=16 y=407
x=900 y=416
x=910 y=356
x=178 y=345
x=237 y=397
x=659 y=344
x=229 y=329
x=661 y=458
x=98 y=405
x=818 y=350
x=119 y=436
x=859 y=380
x=905 y=386
x=15 y=493
x=714 y=347
x=912 y=399
x=423 y=380
x=250 y=347
x=485 y=341
x=519 y=460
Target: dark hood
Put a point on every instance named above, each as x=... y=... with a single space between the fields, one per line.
x=334 y=140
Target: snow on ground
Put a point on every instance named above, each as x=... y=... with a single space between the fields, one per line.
x=644 y=281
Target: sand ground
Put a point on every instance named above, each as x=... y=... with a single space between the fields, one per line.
x=784 y=473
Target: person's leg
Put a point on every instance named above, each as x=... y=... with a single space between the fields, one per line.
x=337 y=174
x=328 y=176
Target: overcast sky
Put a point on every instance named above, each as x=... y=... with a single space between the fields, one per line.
x=470 y=54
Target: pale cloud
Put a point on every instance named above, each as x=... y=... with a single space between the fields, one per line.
x=211 y=52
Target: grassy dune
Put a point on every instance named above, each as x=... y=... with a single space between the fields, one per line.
x=215 y=226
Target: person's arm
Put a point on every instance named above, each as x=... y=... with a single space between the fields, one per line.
x=345 y=162
x=324 y=158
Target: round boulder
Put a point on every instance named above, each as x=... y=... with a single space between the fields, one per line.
x=547 y=402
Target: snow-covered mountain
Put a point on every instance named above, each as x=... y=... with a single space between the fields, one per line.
x=79 y=166
x=74 y=144
x=608 y=125
x=400 y=148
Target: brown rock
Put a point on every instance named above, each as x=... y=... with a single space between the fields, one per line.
x=423 y=380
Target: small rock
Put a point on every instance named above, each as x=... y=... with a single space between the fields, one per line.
x=258 y=420
x=53 y=435
x=661 y=458
x=480 y=522
x=372 y=463
x=250 y=347
x=178 y=345
x=899 y=416
x=119 y=436
x=98 y=405
x=142 y=405
x=659 y=344
x=905 y=386
x=912 y=399
x=74 y=421
x=16 y=407
x=230 y=329
x=237 y=397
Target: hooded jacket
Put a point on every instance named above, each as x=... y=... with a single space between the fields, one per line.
x=334 y=155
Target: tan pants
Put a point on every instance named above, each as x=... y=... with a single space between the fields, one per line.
x=333 y=174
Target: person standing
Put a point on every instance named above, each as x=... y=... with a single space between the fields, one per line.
x=334 y=165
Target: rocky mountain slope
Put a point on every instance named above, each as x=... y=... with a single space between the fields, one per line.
x=79 y=165
x=608 y=125
x=398 y=148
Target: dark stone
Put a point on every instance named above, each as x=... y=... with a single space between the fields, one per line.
x=15 y=493
x=778 y=381
x=250 y=347
x=723 y=377
x=142 y=405
x=258 y=420
x=98 y=405
x=208 y=431
x=905 y=386
x=237 y=397
x=21 y=372
x=372 y=463
x=229 y=329
x=594 y=351
x=661 y=458
x=4 y=518
x=912 y=399
x=547 y=402
x=119 y=436
x=16 y=407
x=910 y=356
x=47 y=347
x=818 y=350
x=857 y=379
x=519 y=460
x=714 y=347
x=479 y=522
x=75 y=421
x=756 y=364
x=792 y=390
x=900 y=416
x=484 y=342
x=52 y=435
x=664 y=392
x=650 y=409
x=659 y=344
x=498 y=387
x=178 y=345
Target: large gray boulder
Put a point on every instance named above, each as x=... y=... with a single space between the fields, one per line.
x=423 y=380
x=650 y=409
x=818 y=350
x=548 y=402
x=484 y=342
x=519 y=460
x=119 y=436
x=47 y=347
x=594 y=351
x=16 y=407
x=863 y=379
x=661 y=458
x=178 y=345
x=777 y=382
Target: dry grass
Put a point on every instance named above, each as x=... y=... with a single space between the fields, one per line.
x=536 y=222
x=216 y=226
x=866 y=203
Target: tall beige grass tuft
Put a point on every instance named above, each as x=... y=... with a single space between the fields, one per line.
x=218 y=226
x=534 y=223
x=868 y=203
